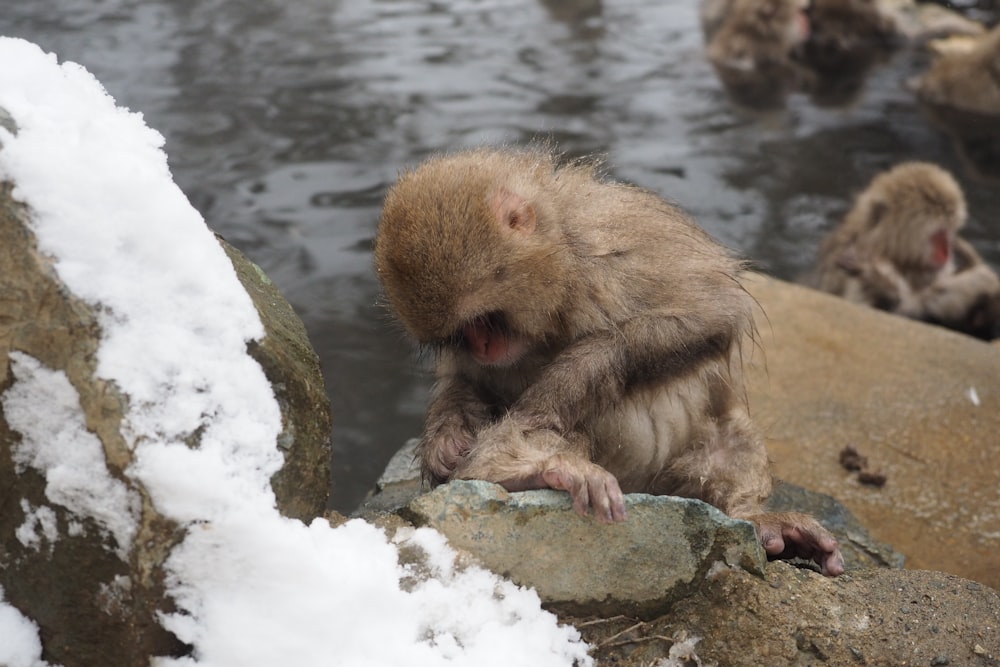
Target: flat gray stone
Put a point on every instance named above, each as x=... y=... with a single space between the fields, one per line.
x=663 y=552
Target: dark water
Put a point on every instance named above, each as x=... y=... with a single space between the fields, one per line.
x=285 y=121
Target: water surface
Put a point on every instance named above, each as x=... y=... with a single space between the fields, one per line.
x=286 y=121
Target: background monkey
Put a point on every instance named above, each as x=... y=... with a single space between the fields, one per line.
x=763 y=50
x=752 y=45
x=966 y=79
x=588 y=338
x=898 y=250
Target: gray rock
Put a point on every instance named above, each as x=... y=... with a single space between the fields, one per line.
x=662 y=553
x=78 y=619
x=400 y=484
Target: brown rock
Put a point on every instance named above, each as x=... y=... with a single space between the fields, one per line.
x=796 y=617
x=65 y=589
x=922 y=404
x=97 y=602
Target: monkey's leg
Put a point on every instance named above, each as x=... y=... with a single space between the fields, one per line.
x=521 y=459
x=731 y=472
x=796 y=535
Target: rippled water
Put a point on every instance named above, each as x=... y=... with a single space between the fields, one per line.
x=285 y=122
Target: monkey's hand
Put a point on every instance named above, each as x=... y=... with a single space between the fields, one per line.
x=441 y=451
x=520 y=457
x=850 y=260
x=951 y=297
x=794 y=535
x=589 y=485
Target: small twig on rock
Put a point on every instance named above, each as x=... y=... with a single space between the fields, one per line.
x=611 y=641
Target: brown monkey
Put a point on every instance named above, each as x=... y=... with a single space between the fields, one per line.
x=898 y=250
x=762 y=50
x=588 y=339
x=961 y=95
x=847 y=39
x=966 y=79
x=751 y=45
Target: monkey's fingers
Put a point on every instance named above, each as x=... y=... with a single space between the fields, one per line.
x=606 y=497
x=590 y=486
x=795 y=537
x=440 y=453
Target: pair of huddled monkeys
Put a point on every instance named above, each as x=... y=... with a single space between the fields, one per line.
x=589 y=336
x=763 y=50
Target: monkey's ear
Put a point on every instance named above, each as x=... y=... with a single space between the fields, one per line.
x=514 y=211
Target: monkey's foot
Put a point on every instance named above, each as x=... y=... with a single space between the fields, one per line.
x=794 y=535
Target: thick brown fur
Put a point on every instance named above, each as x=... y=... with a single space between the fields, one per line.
x=966 y=80
x=883 y=253
x=752 y=45
x=588 y=336
x=762 y=50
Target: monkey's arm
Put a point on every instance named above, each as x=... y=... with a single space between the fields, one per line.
x=521 y=458
x=454 y=415
x=597 y=370
x=965 y=255
x=952 y=297
x=877 y=283
x=887 y=289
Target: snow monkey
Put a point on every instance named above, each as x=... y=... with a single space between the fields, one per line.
x=967 y=79
x=751 y=44
x=587 y=337
x=898 y=249
x=762 y=50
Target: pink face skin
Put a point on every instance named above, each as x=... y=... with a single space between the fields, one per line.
x=940 y=248
x=492 y=346
x=802 y=26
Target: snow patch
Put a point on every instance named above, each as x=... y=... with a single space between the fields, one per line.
x=20 y=646
x=38 y=522
x=44 y=408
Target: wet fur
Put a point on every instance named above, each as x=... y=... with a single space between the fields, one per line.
x=635 y=322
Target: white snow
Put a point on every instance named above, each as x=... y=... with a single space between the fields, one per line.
x=20 y=646
x=253 y=588
x=58 y=444
x=38 y=522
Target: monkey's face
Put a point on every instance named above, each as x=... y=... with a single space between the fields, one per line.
x=939 y=248
x=491 y=342
x=912 y=241
x=461 y=259
x=753 y=51
x=912 y=215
